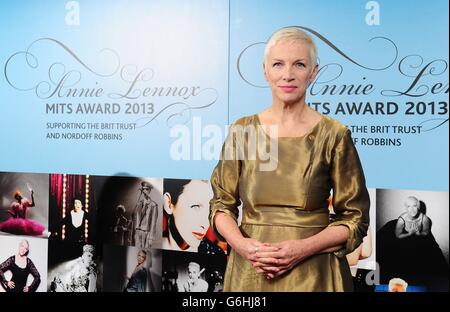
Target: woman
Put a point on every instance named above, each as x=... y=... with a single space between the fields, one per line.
x=194 y=283
x=186 y=208
x=79 y=275
x=18 y=222
x=412 y=221
x=407 y=248
x=138 y=280
x=285 y=242
x=20 y=266
x=75 y=223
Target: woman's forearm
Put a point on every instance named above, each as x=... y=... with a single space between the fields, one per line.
x=403 y=235
x=331 y=239
x=228 y=228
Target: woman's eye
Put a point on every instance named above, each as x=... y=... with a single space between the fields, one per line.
x=277 y=64
x=300 y=65
x=195 y=206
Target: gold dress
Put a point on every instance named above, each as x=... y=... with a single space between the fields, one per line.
x=291 y=202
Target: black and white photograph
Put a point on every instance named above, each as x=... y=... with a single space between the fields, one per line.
x=24 y=204
x=23 y=264
x=73 y=208
x=130 y=211
x=74 y=267
x=131 y=269
x=186 y=224
x=413 y=237
x=192 y=272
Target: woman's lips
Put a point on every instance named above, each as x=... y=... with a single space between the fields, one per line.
x=198 y=235
x=288 y=89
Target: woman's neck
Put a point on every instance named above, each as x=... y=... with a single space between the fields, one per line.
x=286 y=113
x=414 y=218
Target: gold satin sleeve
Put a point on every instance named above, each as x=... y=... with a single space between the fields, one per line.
x=351 y=200
x=225 y=183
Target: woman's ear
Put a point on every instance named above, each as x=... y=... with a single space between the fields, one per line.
x=167 y=203
x=314 y=73
x=265 y=73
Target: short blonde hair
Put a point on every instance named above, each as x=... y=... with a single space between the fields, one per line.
x=292 y=34
x=397 y=281
x=194 y=265
x=414 y=199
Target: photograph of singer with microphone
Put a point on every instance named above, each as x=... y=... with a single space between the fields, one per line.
x=285 y=241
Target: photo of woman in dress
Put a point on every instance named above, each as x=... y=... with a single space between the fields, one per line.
x=75 y=223
x=77 y=275
x=131 y=269
x=24 y=204
x=412 y=236
x=19 y=223
x=73 y=208
x=137 y=282
x=21 y=267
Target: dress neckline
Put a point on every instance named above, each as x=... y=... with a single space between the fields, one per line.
x=308 y=133
x=23 y=268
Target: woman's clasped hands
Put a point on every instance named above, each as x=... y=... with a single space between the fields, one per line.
x=273 y=260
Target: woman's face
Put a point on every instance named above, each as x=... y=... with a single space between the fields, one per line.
x=288 y=69
x=87 y=258
x=23 y=248
x=192 y=210
x=193 y=273
x=77 y=206
x=412 y=207
x=141 y=258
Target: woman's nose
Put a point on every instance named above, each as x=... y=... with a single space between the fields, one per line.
x=287 y=73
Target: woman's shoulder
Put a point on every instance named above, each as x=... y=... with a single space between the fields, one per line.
x=143 y=271
x=334 y=126
x=331 y=132
x=246 y=120
x=425 y=218
x=14 y=205
x=403 y=217
x=29 y=262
